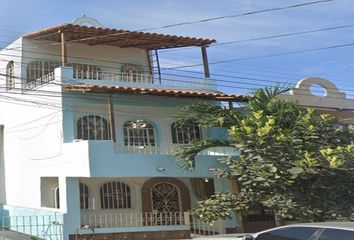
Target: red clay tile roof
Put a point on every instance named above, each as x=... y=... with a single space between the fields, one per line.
x=116 y=37
x=155 y=91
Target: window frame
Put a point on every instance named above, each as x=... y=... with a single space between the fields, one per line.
x=88 y=123
x=180 y=133
x=115 y=195
x=131 y=72
x=84 y=196
x=10 y=75
x=140 y=134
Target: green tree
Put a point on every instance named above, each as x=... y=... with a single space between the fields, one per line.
x=297 y=163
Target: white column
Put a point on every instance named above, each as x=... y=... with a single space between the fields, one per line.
x=64 y=75
x=223 y=185
x=70 y=204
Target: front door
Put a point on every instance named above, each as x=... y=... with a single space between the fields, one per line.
x=166 y=203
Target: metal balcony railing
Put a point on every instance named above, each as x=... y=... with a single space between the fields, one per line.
x=39 y=81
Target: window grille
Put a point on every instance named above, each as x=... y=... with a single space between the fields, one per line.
x=115 y=195
x=10 y=75
x=38 y=69
x=86 y=71
x=132 y=72
x=93 y=127
x=165 y=198
x=183 y=134
x=138 y=133
x=84 y=196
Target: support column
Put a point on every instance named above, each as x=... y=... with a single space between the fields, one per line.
x=112 y=128
x=223 y=185
x=70 y=204
x=205 y=62
x=64 y=56
x=62 y=75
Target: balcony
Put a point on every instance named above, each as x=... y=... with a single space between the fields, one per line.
x=115 y=79
x=141 y=80
x=95 y=219
x=110 y=219
x=170 y=149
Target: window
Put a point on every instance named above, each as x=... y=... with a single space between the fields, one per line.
x=289 y=233
x=336 y=234
x=84 y=196
x=93 y=127
x=86 y=71
x=186 y=133
x=10 y=75
x=38 y=69
x=132 y=73
x=115 y=195
x=138 y=133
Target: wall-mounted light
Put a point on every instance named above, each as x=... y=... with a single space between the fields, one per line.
x=160 y=169
x=212 y=169
x=206 y=180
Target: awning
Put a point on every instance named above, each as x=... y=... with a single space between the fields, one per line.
x=116 y=37
x=155 y=91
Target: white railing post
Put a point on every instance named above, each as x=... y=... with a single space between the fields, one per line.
x=186 y=216
x=221 y=226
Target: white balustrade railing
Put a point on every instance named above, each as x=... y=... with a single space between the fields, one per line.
x=100 y=219
x=198 y=227
x=144 y=78
x=170 y=149
x=113 y=76
x=92 y=219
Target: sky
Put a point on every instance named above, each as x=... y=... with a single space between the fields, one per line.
x=255 y=62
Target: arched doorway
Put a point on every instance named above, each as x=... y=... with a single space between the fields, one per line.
x=166 y=199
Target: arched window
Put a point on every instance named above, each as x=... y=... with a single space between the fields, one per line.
x=92 y=127
x=38 y=69
x=132 y=73
x=84 y=196
x=86 y=71
x=138 y=133
x=115 y=195
x=10 y=75
x=185 y=133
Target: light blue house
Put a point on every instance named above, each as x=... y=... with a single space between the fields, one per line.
x=88 y=133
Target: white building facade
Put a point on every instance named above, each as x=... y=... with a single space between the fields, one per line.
x=88 y=133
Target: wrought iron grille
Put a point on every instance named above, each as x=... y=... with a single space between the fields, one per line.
x=115 y=195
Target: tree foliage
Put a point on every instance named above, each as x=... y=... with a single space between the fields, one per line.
x=297 y=163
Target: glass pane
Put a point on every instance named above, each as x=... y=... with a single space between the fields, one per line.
x=336 y=234
x=289 y=233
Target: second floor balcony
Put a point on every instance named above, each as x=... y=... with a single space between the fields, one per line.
x=40 y=73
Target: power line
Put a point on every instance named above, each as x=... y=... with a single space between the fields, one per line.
x=209 y=19
x=220 y=85
x=212 y=62
x=239 y=15
x=269 y=55
x=272 y=36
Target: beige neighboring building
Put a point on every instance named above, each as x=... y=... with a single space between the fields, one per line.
x=333 y=101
